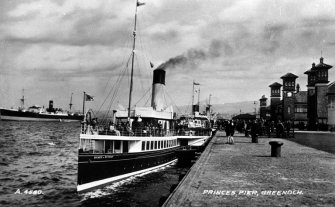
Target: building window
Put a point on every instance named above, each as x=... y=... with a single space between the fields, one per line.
x=324 y=74
x=331 y=102
x=117 y=144
x=300 y=109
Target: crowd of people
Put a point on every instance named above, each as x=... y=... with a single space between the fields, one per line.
x=138 y=127
x=251 y=128
x=255 y=128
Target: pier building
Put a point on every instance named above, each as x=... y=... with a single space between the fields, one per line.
x=314 y=108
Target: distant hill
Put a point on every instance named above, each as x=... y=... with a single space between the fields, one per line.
x=226 y=108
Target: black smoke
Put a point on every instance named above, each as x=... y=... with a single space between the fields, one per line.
x=193 y=57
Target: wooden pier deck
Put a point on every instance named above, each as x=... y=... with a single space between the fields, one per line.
x=244 y=174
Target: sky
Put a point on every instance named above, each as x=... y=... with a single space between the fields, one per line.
x=233 y=49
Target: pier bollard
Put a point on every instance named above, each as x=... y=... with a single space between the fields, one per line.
x=276 y=148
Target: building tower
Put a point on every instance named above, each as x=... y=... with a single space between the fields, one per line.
x=262 y=109
x=331 y=106
x=275 y=102
x=321 y=88
x=288 y=96
x=311 y=98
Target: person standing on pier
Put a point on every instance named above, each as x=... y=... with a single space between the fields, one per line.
x=255 y=129
x=288 y=129
x=230 y=129
x=280 y=129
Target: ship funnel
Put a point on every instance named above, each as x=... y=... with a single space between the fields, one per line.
x=51 y=105
x=158 y=86
x=195 y=108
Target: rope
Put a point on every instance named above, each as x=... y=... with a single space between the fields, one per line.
x=143 y=96
x=126 y=45
x=140 y=74
x=149 y=97
x=115 y=90
x=120 y=77
x=142 y=45
x=174 y=104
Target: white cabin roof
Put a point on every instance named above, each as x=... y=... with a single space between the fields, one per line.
x=146 y=112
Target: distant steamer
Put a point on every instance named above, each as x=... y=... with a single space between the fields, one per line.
x=37 y=113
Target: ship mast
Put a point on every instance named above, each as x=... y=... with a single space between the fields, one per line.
x=71 y=102
x=132 y=60
x=199 y=98
x=192 y=96
x=209 y=106
x=22 y=99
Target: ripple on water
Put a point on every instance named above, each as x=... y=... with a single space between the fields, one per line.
x=32 y=163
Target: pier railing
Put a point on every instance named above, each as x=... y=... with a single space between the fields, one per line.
x=272 y=133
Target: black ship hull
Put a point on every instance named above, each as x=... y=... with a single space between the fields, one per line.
x=14 y=115
x=96 y=170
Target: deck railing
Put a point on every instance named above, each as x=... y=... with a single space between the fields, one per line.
x=144 y=132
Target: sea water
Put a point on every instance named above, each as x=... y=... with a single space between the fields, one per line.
x=38 y=167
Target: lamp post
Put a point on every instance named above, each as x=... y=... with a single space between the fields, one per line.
x=255 y=108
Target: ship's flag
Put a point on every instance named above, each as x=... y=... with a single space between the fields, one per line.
x=151 y=65
x=194 y=83
x=88 y=98
x=140 y=3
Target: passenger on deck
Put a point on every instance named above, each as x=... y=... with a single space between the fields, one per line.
x=112 y=129
x=94 y=128
x=128 y=129
x=138 y=127
x=94 y=123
